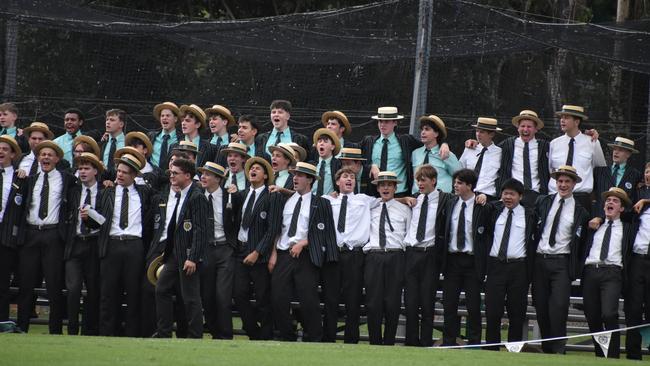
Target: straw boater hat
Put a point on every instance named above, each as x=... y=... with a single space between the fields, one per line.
x=196 y=111
x=302 y=153
x=188 y=146
x=166 y=105
x=286 y=150
x=155 y=268
x=530 y=115
x=87 y=157
x=436 y=121
x=219 y=109
x=305 y=168
x=39 y=126
x=131 y=157
x=337 y=115
x=18 y=153
x=267 y=167
x=488 y=124
x=617 y=192
x=568 y=171
x=213 y=168
x=236 y=147
x=623 y=143
x=387 y=113
x=573 y=110
x=89 y=141
x=349 y=153
x=136 y=135
x=324 y=131
x=386 y=177
x=51 y=144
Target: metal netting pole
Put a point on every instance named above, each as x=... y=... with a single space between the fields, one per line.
x=11 y=54
x=422 y=52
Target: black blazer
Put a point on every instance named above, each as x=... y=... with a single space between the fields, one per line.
x=507 y=155
x=62 y=166
x=13 y=212
x=230 y=213
x=300 y=139
x=321 y=235
x=335 y=165
x=603 y=182
x=68 y=181
x=407 y=142
x=207 y=151
x=155 y=179
x=74 y=202
x=480 y=235
x=265 y=224
x=579 y=228
x=106 y=207
x=629 y=234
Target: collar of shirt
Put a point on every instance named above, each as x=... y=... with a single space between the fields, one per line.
x=621 y=167
x=283 y=173
x=213 y=194
x=130 y=189
x=225 y=138
x=285 y=133
x=326 y=160
x=391 y=138
x=469 y=201
x=11 y=131
x=196 y=140
x=9 y=171
x=93 y=188
x=172 y=134
x=258 y=190
x=119 y=139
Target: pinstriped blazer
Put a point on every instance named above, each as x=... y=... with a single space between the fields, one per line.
x=265 y=224
x=13 y=212
x=74 y=200
x=507 y=155
x=321 y=235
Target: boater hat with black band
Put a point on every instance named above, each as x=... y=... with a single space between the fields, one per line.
x=529 y=115
x=617 y=192
x=265 y=164
x=305 y=168
x=213 y=168
x=131 y=157
x=386 y=176
x=338 y=115
x=487 y=124
x=573 y=110
x=349 y=153
x=387 y=113
x=623 y=143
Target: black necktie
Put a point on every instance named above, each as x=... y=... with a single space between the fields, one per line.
x=249 y=210
x=569 y=157
x=382 y=225
x=528 y=180
x=294 y=218
x=34 y=167
x=124 y=210
x=426 y=156
x=460 y=231
x=218 y=144
x=278 y=138
x=615 y=175
x=2 y=172
x=233 y=180
x=556 y=223
x=505 y=239
x=87 y=202
x=422 y=222
x=4 y=131
x=164 y=152
x=45 y=194
x=479 y=163
x=604 y=249
x=111 y=153
x=276 y=174
x=342 y=214
x=321 y=181
x=171 y=228
x=383 y=164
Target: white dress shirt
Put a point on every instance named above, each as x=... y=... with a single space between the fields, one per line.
x=518 y=162
x=26 y=163
x=169 y=209
x=469 y=239
x=93 y=204
x=139 y=180
x=7 y=181
x=53 y=203
x=643 y=235
x=614 y=255
x=242 y=235
x=135 y=217
x=302 y=229
x=217 y=211
x=489 y=167
x=400 y=217
x=430 y=225
x=357 y=218
x=587 y=154
x=563 y=235
x=517 y=240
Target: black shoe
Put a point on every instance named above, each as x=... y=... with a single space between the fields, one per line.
x=158 y=335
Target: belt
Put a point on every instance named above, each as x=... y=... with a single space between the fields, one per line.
x=242 y=243
x=509 y=260
x=419 y=249
x=385 y=250
x=42 y=227
x=283 y=250
x=124 y=237
x=218 y=243
x=86 y=237
x=460 y=253
x=601 y=265
x=552 y=256
x=346 y=249
x=641 y=256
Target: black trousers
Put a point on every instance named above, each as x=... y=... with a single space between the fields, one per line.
x=601 y=290
x=82 y=268
x=253 y=281
x=351 y=265
x=217 y=276
x=330 y=275
x=585 y=201
x=149 y=316
x=42 y=253
x=171 y=278
x=121 y=271
x=507 y=285
x=384 y=279
x=299 y=273
x=421 y=277
x=529 y=198
x=460 y=274
x=551 y=291
x=8 y=257
x=637 y=303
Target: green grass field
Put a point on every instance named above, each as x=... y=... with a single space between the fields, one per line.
x=37 y=349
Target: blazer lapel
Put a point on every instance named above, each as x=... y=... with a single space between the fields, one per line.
x=181 y=213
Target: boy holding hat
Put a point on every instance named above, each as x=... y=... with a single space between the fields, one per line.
x=73 y=120
x=42 y=235
x=8 y=117
x=562 y=232
x=306 y=242
x=193 y=120
x=620 y=174
x=150 y=174
x=167 y=114
x=218 y=268
x=36 y=133
x=485 y=158
x=258 y=222
x=219 y=119
x=576 y=149
x=282 y=157
x=81 y=255
x=281 y=133
x=432 y=133
x=236 y=156
x=605 y=259
x=12 y=190
x=327 y=145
